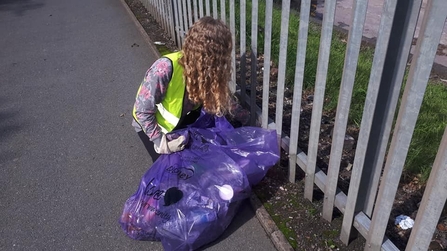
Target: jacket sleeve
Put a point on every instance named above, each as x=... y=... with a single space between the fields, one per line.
x=151 y=92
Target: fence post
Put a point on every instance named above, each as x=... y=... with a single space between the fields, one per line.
x=426 y=47
x=383 y=92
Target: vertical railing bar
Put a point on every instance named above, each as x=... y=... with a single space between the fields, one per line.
x=431 y=30
x=215 y=14
x=320 y=85
x=303 y=31
x=177 y=24
x=243 y=50
x=150 y=10
x=344 y=101
x=190 y=14
x=146 y=5
x=171 y=20
x=223 y=12
x=401 y=36
x=200 y=8
x=285 y=13
x=160 y=9
x=185 y=18
x=162 y=16
x=397 y=77
x=254 y=60
x=233 y=51
x=169 y=23
x=157 y=12
x=435 y=196
x=165 y=17
x=267 y=57
x=207 y=7
x=182 y=29
x=155 y=8
x=168 y=17
x=196 y=14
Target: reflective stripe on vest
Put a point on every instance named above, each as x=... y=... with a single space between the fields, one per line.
x=168 y=117
x=169 y=110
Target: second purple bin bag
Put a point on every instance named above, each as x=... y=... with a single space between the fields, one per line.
x=187 y=199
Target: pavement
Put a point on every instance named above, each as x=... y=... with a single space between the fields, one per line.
x=69 y=158
x=343 y=19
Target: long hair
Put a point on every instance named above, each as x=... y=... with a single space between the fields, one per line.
x=206 y=59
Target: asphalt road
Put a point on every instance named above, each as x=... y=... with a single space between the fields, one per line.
x=69 y=158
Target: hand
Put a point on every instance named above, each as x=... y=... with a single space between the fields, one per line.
x=163 y=146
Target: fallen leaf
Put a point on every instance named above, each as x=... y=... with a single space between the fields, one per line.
x=442 y=227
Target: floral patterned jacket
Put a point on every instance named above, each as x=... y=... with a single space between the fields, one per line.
x=153 y=90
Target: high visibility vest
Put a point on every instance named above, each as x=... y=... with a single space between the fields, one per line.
x=169 y=111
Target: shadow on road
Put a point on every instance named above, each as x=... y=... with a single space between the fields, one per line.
x=19 y=7
x=7 y=130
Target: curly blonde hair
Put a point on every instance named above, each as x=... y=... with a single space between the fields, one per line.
x=206 y=59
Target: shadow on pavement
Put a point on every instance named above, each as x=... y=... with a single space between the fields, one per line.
x=7 y=130
x=244 y=214
x=19 y=7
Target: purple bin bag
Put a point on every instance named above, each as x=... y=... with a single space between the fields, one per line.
x=187 y=199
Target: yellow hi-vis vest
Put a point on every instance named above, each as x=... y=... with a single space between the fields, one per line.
x=169 y=111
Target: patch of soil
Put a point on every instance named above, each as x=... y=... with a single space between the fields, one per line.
x=153 y=30
x=299 y=219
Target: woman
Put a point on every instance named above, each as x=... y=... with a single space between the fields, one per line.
x=179 y=84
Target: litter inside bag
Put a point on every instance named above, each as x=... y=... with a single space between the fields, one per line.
x=187 y=199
